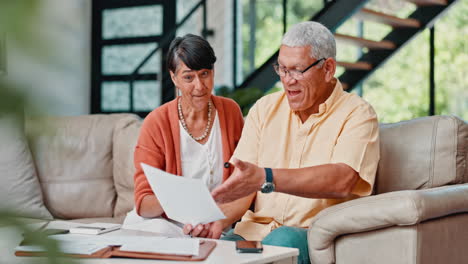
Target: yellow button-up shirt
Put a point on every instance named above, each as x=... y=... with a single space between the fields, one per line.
x=345 y=130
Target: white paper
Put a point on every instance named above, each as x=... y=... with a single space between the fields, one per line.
x=75 y=247
x=157 y=225
x=183 y=199
x=59 y=224
x=114 y=240
x=175 y=246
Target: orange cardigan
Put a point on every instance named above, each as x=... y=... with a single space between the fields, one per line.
x=159 y=141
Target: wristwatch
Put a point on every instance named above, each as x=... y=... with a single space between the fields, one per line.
x=268 y=186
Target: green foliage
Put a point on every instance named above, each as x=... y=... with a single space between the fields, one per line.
x=400 y=89
x=17 y=23
x=11 y=100
x=244 y=97
x=51 y=247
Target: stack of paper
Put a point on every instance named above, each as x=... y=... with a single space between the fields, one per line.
x=173 y=246
x=76 y=247
x=86 y=245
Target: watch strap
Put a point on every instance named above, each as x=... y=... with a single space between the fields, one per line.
x=269 y=175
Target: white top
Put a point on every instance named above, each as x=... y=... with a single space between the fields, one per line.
x=203 y=162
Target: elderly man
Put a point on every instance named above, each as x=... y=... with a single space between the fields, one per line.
x=302 y=149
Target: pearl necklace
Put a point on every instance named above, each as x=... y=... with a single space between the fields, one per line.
x=184 y=125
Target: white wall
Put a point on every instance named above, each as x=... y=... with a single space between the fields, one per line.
x=59 y=79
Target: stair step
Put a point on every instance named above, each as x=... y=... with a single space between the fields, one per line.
x=428 y=2
x=384 y=44
x=359 y=65
x=368 y=14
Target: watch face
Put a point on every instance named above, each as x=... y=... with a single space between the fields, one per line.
x=268 y=187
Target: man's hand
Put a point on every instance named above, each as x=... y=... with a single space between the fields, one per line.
x=246 y=179
x=211 y=230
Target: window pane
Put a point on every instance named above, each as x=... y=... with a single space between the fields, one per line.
x=132 y=22
x=451 y=58
x=183 y=7
x=123 y=59
x=193 y=25
x=115 y=96
x=398 y=90
x=146 y=95
x=261 y=28
x=153 y=64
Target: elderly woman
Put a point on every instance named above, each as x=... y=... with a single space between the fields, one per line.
x=191 y=136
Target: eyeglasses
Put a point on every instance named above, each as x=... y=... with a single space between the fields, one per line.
x=296 y=74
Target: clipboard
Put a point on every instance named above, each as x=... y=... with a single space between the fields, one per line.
x=206 y=247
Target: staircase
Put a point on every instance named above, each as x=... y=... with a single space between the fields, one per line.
x=403 y=30
x=334 y=14
x=377 y=52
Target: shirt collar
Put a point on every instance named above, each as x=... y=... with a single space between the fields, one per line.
x=334 y=96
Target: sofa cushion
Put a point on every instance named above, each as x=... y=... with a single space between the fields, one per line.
x=73 y=156
x=125 y=138
x=422 y=153
x=20 y=190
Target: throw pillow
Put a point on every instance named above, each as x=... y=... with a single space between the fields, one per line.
x=20 y=190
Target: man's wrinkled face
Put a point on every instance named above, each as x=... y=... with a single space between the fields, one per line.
x=305 y=93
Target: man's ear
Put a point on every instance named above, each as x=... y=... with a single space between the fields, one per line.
x=330 y=67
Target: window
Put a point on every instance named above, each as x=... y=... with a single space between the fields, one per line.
x=127 y=64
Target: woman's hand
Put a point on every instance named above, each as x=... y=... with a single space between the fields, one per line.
x=210 y=230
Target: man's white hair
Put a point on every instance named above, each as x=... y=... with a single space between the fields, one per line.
x=313 y=34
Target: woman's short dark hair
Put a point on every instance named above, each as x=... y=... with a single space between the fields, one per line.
x=193 y=50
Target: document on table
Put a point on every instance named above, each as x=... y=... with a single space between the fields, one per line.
x=69 y=247
x=185 y=200
x=152 y=244
x=175 y=246
x=85 y=244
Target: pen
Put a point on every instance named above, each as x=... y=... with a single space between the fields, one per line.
x=43 y=226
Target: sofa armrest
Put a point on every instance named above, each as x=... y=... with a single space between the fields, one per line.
x=380 y=211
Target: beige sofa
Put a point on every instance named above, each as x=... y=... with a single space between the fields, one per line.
x=420 y=211
x=83 y=165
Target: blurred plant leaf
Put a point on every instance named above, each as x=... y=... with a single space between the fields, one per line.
x=18 y=20
x=51 y=247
